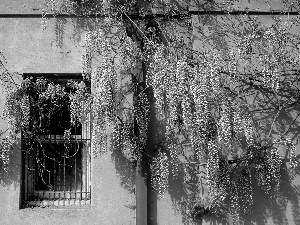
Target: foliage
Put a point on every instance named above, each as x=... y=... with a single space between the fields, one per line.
x=227 y=104
x=34 y=105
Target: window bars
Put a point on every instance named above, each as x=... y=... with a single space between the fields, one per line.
x=56 y=171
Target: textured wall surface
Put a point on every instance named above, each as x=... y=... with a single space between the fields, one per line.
x=58 y=49
x=211 y=30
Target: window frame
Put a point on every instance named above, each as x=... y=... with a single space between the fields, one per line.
x=64 y=199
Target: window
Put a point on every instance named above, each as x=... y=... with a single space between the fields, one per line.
x=56 y=172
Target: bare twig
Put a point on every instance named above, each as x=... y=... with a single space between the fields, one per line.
x=3 y=132
x=291 y=124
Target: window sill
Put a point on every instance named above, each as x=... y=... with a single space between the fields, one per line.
x=59 y=204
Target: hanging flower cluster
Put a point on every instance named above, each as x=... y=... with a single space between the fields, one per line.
x=16 y=113
x=104 y=86
x=104 y=102
x=286 y=141
x=118 y=55
x=173 y=148
x=125 y=140
x=131 y=136
x=80 y=102
x=141 y=114
x=225 y=124
x=160 y=173
x=213 y=168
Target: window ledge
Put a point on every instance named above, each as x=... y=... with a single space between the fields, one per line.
x=59 y=204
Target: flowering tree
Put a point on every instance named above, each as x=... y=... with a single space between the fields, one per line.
x=237 y=107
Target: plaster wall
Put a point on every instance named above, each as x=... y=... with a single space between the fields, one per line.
x=210 y=30
x=58 y=49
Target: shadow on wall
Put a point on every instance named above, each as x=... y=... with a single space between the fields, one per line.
x=179 y=194
x=282 y=209
x=77 y=25
x=12 y=176
x=125 y=168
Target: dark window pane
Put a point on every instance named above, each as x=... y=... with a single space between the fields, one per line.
x=59 y=167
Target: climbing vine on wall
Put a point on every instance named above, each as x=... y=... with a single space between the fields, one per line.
x=225 y=104
x=30 y=108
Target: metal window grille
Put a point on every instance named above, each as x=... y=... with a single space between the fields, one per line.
x=56 y=172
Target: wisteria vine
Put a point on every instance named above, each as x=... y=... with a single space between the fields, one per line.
x=207 y=98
